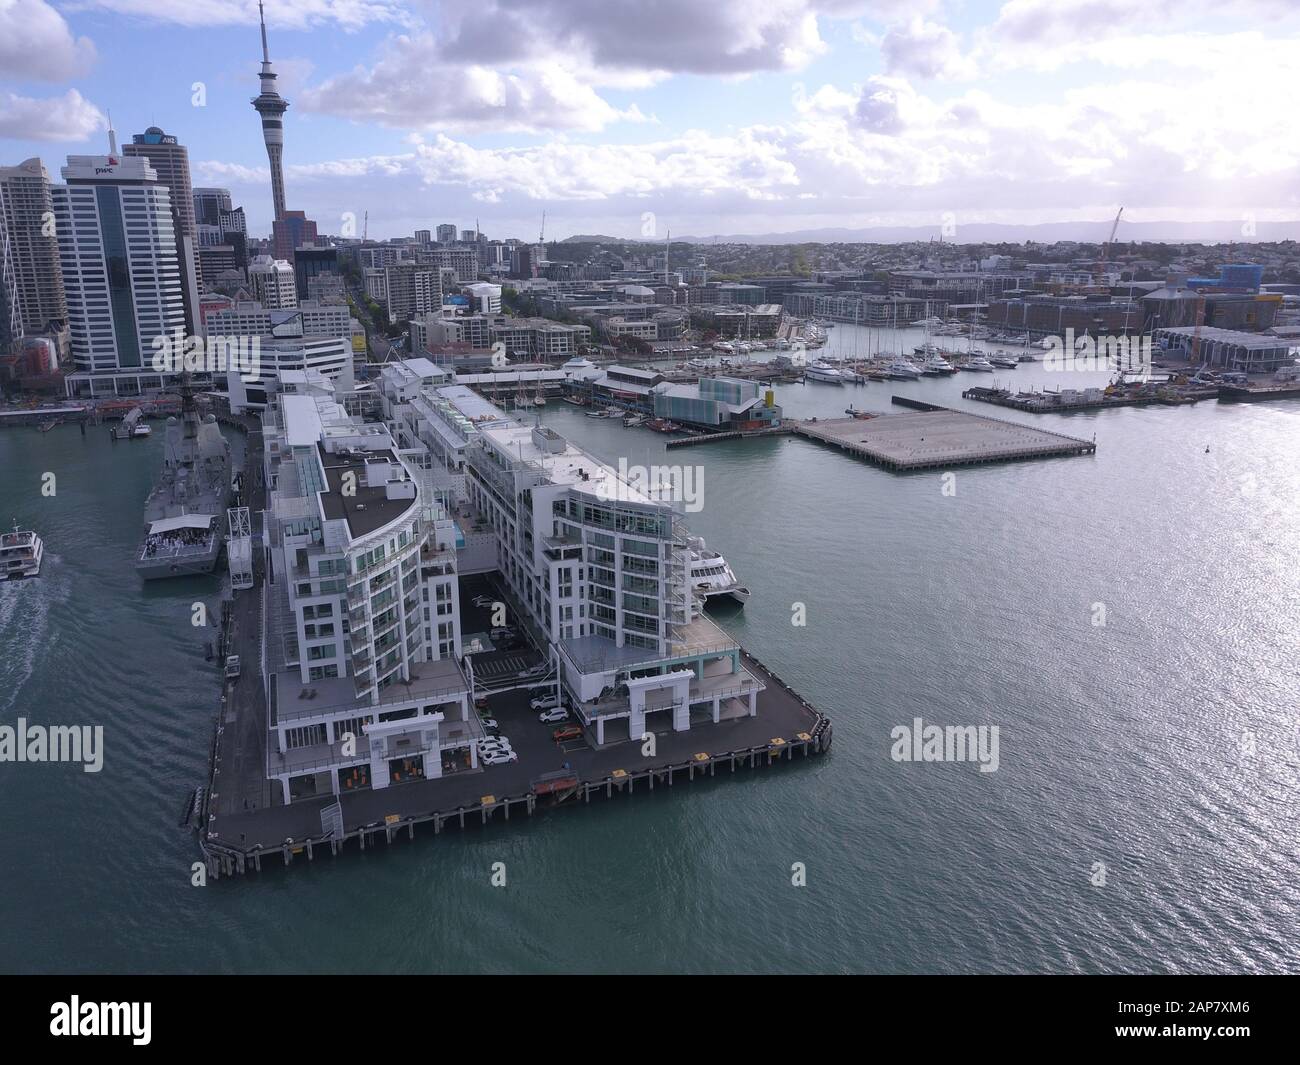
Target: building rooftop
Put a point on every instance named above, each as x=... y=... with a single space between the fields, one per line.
x=371 y=503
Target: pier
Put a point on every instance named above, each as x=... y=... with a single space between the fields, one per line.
x=1058 y=403
x=239 y=830
x=938 y=438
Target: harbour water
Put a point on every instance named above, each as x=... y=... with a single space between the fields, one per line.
x=1163 y=745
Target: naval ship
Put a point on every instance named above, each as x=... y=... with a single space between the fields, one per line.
x=183 y=514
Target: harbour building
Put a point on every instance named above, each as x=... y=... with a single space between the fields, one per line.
x=364 y=685
x=121 y=272
x=596 y=560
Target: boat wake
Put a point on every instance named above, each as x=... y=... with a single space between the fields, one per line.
x=25 y=608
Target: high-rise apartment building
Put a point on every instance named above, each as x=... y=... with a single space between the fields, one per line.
x=33 y=289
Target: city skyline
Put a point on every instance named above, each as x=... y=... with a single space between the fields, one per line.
x=795 y=115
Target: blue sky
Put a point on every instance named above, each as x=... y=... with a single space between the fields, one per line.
x=742 y=116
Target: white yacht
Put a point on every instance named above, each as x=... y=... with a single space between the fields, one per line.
x=1003 y=360
x=820 y=370
x=21 y=552
x=936 y=365
x=977 y=363
x=902 y=370
x=711 y=576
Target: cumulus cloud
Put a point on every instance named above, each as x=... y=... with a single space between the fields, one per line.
x=70 y=117
x=289 y=14
x=36 y=43
x=923 y=49
x=406 y=89
x=610 y=36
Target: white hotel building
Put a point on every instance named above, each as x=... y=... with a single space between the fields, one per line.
x=599 y=568
x=364 y=686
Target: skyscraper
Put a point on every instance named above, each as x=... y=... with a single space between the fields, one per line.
x=117 y=248
x=272 y=107
x=33 y=294
x=209 y=204
x=171 y=160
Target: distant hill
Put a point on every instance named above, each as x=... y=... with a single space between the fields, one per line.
x=995 y=233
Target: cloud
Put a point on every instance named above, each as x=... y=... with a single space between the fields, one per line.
x=285 y=14
x=37 y=45
x=407 y=89
x=70 y=117
x=923 y=49
x=610 y=37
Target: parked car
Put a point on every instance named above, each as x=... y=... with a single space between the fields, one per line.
x=535 y=671
x=491 y=724
x=503 y=632
x=568 y=732
x=499 y=758
x=483 y=600
x=493 y=741
x=481 y=702
x=550 y=717
x=546 y=701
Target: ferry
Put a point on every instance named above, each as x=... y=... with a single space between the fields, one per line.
x=711 y=576
x=824 y=372
x=21 y=552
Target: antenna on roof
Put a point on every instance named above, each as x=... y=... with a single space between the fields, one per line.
x=112 y=136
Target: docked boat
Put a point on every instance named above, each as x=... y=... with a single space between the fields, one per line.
x=711 y=576
x=47 y=425
x=936 y=365
x=901 y=370
x=21 y=552
x=820 y=370
x=663 y=425
x=132 y=427
x=1003 y=360
x=861 y=415
x=182 y=516
x=633 y=420
x=977 y=363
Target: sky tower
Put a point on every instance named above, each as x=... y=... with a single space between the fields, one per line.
x=272 y=107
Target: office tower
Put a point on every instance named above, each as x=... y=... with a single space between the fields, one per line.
x=271 y=107
x=208 y=205
x=446 y=233
x=171 y=160
x=292 y=232
x=411 y=289
x=423 y=236
x=117 y=248
x=312 y=262
x=273 y=282
x=33 y=289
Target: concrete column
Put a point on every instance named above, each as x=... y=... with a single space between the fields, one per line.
x=717 y=709
x=682 y=718
x=636 y=724
x=284 y=787
x=433 y=764
x=753 y=704
x=334 y=780
x=600 y=730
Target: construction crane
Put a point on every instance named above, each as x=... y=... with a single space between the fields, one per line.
x=1105 y=249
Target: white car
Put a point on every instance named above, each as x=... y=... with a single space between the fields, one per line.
x=552 y=716
x=490 y=743
x=483 y=600
x=499 y=758
x=544 y=702
x=491 y=724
